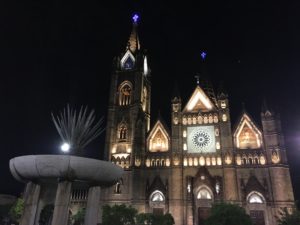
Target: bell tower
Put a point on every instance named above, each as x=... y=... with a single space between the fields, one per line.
x=128 y=117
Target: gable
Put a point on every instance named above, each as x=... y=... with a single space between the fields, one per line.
x=247 y=135
x=158 y=139
x=199 y=101
x=128 y=61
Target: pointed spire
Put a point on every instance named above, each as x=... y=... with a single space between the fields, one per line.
x=203 y=80
x=265 y=108
x=176 y=93
x=159 y=115
x=243 y=107
x=133 y=42
x=222 y=93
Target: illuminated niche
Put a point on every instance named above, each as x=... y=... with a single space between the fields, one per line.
x=158 y=140
x=275 y=157
x=247 y=135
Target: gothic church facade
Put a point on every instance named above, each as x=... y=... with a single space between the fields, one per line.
x=201 y=159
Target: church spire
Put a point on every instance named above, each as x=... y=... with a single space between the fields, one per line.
x=133 y=42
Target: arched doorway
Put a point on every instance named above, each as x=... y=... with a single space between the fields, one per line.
x=203 y=214
x=204 y=198
x=256 y=204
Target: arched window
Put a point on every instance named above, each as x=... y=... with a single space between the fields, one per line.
x=125 y=93
x=152 y=162
x=118 y=186
x=255 y=197
x=157 y=196
x=123 y=132
x=204 y=194
x=244 y=161
x=250 y=161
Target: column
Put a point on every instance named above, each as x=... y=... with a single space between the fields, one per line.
x=230 y=184
x=61 y=205
x=31 y=199
x=92 y=207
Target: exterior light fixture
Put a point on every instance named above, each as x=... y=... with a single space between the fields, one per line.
x=65 y=147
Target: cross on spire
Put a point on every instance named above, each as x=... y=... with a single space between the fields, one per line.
x=135 y=18
x=203 y=55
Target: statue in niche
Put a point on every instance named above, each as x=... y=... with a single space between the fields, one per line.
x=275 y=157
x=247 y=138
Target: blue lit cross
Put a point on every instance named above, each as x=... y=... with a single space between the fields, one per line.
x=203 y=55
x=135 y=17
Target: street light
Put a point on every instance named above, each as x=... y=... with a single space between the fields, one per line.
x=65 y=147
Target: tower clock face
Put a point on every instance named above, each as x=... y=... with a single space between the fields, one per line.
x=201 y=139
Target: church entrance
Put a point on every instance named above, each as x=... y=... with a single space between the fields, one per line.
x=257 y=217
x=203 y=213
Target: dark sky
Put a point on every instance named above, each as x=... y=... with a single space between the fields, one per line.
x=53 y=53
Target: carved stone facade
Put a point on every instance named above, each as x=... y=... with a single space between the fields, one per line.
x=200 y=159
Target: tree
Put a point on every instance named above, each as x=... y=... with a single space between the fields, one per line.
x=287 y=218
x=152 y=219
x=228 y=214
x=78 y=218
x=118 y=215
x=46 y=215
x=16 y=211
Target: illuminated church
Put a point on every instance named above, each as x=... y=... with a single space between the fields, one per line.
x=204 y=157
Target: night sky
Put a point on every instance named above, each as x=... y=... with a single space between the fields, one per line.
x=54 y=53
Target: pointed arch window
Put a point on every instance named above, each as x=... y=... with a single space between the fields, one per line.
x=204 y=193
x=125 y=93
x=123 y=132
x=255 y=197
x=157 y=196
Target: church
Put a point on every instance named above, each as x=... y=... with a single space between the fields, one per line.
x=203 y=158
